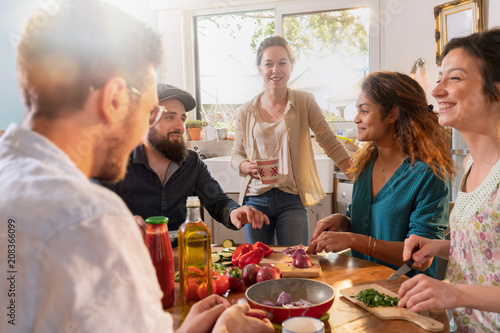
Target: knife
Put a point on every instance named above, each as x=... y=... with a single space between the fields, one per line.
x=401 y=270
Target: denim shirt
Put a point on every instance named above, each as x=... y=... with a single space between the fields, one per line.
x=145 y=195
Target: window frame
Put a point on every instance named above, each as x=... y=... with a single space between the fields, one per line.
x=281 y=9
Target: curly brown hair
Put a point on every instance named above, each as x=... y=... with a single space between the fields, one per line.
x=418 y=133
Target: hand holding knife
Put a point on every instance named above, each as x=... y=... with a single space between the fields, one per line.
x=401 y=270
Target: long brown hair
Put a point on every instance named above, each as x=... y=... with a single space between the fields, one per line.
x=418 y=133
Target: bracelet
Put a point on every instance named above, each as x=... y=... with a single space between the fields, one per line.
x=369 y=245
x=374 y=244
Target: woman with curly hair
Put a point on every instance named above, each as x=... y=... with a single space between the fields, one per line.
x=401 y=175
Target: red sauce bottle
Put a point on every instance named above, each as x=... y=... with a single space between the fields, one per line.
x=158 y=243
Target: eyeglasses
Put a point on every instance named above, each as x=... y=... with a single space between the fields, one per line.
x=156 y=113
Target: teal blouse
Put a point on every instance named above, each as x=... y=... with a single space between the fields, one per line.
x=413 y=201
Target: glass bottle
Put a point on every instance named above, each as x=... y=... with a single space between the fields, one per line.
x=195 y=262
x=158 y=243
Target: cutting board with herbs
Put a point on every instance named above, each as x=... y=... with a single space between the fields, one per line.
x=391 y=312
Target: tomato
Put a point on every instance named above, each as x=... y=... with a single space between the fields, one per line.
x=202 y=289
x=234 y=276
x=252 y=257
x=192 y=290
x=194 y=272
x=259 y=245
x=221 y=282
x=239 y=251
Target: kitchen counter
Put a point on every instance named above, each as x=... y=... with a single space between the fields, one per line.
x=341 y=271
x=340 y=176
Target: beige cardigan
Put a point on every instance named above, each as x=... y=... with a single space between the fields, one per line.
x=301 y=113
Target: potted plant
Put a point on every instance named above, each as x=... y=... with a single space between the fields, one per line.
x=194 y=128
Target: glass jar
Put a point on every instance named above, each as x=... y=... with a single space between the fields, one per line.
x=158 y=243
x=195 y=262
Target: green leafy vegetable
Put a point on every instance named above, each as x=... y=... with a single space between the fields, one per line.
x=373 y=298
x=219 y=268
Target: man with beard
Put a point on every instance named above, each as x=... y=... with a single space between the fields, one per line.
x=74 y=258
x=162 y=173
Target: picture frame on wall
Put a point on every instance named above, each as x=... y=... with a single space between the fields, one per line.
x=456 y=19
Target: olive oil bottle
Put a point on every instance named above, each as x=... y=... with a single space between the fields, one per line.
x=195 y=264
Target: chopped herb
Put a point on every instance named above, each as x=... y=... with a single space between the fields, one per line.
x=176 y=277
x=220 y=268
x=373 y=298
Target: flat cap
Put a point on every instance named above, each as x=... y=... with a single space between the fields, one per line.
x=166 y=91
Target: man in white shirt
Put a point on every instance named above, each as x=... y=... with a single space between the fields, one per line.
x=75 y=259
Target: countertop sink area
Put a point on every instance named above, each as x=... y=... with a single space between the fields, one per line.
x=229 y=179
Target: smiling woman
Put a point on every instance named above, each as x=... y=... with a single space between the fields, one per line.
x=401 y=175
x=468 y=96
x=331 y=43
x=276 y=125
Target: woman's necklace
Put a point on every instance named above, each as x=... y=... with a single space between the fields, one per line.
x=271 y=113
x=388 y=165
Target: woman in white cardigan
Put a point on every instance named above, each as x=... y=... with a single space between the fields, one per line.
x=275 y=124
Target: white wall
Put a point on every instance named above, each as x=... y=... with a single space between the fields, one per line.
x=409 y=35
x=13 y=16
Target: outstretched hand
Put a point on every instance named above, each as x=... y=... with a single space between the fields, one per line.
x=246 y=214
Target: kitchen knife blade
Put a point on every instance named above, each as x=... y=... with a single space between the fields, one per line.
x=401 y=270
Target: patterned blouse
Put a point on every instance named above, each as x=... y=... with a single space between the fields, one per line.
x=475 y=246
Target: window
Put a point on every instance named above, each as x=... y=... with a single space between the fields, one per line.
x=332 y=57
x=226 y=73
x=332 y=47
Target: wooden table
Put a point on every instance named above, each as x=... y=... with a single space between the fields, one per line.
x=341 y=271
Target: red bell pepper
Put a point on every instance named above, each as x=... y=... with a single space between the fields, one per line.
x=259 y=245
x=252 y=257
x=240 y=250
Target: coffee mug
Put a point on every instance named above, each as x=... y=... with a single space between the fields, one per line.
x=303 y=325
x=268 y=170
x=222 y=133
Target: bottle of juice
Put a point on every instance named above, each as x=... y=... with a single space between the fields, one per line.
x=195 y=264
x=158 y=243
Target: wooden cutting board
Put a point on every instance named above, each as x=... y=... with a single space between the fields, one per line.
x=393 y=312
x=284 y=263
